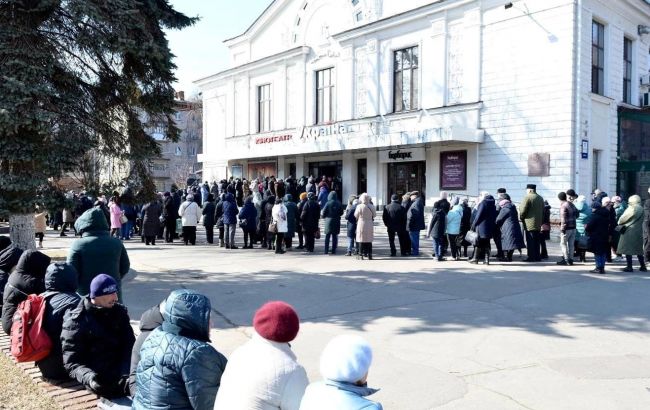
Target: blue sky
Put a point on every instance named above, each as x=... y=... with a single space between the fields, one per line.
x=199 y=49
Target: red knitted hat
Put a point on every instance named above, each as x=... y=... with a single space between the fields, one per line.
x=277 y=321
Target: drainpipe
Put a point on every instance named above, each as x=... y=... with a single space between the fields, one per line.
x=576 y=97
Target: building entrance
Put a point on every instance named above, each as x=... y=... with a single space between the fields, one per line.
x=331 y=170
x=406 y=177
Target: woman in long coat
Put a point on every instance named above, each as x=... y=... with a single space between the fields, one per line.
x=631 y=241
x=364 y=214
x=116 y=212
x=247 y=222
x=484 y=225
x=279 y=215
x=584 y=213
x=508 y=222
x=292 y=221
x=331 y=215
x=151 y=221
x=351 y=225
x=598 y=230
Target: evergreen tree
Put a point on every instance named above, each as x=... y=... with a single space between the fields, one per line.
x=78 y=76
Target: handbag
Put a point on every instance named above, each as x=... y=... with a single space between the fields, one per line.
x=621 y=229
x=471 y=237
x=273 y=227
x=583 y=243
x=123 y=219
x=317 y=234
x=546 y=228
x=243 y=223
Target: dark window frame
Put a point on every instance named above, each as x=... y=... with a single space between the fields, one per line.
x=325 y=86
x=627 y=69
x=406 y=70
x=264 y=108
x=597 y=58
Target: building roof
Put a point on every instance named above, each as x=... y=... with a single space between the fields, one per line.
x=250 y=28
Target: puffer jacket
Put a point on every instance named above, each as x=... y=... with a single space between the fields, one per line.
x=584 y=213
x=292 y=210
x=26 y=279
x=454 y=218
x=249 y=214
x=230 y=210
x=331 y=215
x=329 y=394
x=61 y=291
x=262 y=375
x=415 y=216
x=190 y=213
x=96 y=252
x=8 y=259
x=149 y=320
x=178 y=368
x=437 y=225
x=97 y=341
x=310 y=215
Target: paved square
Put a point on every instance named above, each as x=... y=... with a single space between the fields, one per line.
x=446 y=335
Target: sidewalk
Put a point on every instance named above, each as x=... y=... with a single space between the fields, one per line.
x=446 y=335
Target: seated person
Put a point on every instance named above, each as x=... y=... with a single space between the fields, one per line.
x=97 y=340
x=149 y=320
x=344 y=365
x=8 y=259
x=178 y=367
x=60 y=296
x=27 y=278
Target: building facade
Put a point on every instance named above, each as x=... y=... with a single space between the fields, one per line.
x=455 y=95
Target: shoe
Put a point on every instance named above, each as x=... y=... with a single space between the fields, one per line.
x=279 y=252
x=570 y=262
x=300 y=247
x=562 y=262
x=234 y=247
x=348 y=253
x=369 y=257
x=627 y=269
x=643 y=269
x=597 y=270
x=442 y=259
x=474 y=261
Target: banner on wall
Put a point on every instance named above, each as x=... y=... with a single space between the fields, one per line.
x=402 y=155
x=453 y=170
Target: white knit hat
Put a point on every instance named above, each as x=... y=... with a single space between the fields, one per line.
x=346 y=358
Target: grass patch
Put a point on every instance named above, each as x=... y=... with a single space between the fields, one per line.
x=19 y=392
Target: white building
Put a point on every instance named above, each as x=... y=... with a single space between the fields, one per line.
x=455 y=95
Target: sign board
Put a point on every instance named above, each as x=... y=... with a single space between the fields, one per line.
x=539 y=164
x=585 y=149
x=453 y=170
x=402 y=155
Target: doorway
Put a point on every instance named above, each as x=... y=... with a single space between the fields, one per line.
x=406 y=177
x=362 y=175
x=331 y=170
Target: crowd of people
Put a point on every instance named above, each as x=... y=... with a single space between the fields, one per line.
x=171 y=363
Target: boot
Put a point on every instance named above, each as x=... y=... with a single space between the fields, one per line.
x=369 y=251
x=221 y=243
x=642 y=268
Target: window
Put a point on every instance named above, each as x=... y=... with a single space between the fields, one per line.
x=324 y=96
x=405 y=90
x=595 y=181
x=264 y=108
x=627 y=70
x=597 y=58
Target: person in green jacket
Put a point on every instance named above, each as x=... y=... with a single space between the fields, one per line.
x=631 y=240
x=532 y=214
x=97 y=252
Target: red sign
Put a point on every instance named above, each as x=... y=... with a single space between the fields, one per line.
x=275 y=138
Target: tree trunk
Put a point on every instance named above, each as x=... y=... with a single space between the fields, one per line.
x=21 y=231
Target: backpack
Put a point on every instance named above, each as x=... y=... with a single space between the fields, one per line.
x=29 y=341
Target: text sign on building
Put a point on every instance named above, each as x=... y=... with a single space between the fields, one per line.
x=316 y=132
x=272 y=139
x=453 y=170
x=402 y=155
x=539 y=164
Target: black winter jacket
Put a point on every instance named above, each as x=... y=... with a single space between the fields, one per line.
x=438 y=223
x=415 y=216
x=8 y=259
x=97 y=343
x=394 y=217
x=149 y=320
x=151 y=218
x=598 y=230
x=208 y=213
x=310 y=215
x=60 y=278
x=28 y=278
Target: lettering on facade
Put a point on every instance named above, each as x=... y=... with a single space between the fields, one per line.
x=400 y=155
x=323 y=131
x=275 y=138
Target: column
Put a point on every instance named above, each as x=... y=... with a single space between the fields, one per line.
x=348 y=175
x=300 y=166
x=373 y=174
x=282 y=168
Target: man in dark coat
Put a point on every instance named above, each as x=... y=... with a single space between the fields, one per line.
x=149 y=320
x=170 y=215
x=151 y=221
x=292 y=220
x=218 y=218
x=531 y=213
x=484 y=225
x=230 y=212
x=309 y=219
x=437 y=230
x=507 y=223
x=332 y=213
x=26 y=279
x=394 y=217
x=60 y=297
x=497 y=232
x=598 y=229
x=299 y=206
x=415 y=222
x=267 y=210
x=208 y=218
x=97 y=340
x=96 y=252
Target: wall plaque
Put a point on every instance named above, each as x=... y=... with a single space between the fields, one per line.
x=539 y=164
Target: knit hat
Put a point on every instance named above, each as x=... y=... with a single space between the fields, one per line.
x=102 y=285
x=346 y=358
x=561 y=196
x=571 y=193
x=277 y=321
x=501 y=191
x=303 y=196
x=531 y=186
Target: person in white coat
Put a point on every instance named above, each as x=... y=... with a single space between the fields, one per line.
x=264 y=373
x=190 y=213
x=279 y=213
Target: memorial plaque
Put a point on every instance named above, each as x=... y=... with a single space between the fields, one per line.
x=453 y=170
x=539 y=164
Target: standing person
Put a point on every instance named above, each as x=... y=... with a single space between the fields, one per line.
x=406 y=204
x=40 y=223
x=415 y=221
x=598 y=229
x=365 y=214
x=584 y=213
x=453 y=221
x=61 y=288
x=299 y=207
x=619 y=208
x=497 y=233
x=631 y=242
x=178 y=367
x=484 y=225
x=292 y=212
x=545 y=232
x=27 y=278
x=568 y=213
x=205 y=190
x=446 y=207
x=96 y=252
x=331 y=213
x=507 y=222
x=230 y=212
x=258 y=202
x=322 y=196
x=394 y=217
x=532 y=215
x=264 y=373
x=351 y=225
x=247 y=220
x=208 y=218
x=169 y=216
x=465 y=224
x=344 y=365
x=268 y=220
x=437 y=228
x=151 y=221
x=190 y=213
x=606 y=203
x=116 y=213
x=131 y=215
x=218 y=218
x=97 y=340
x=311 y=186
x=646 y=226
x=309 y=219
x=279 y=215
